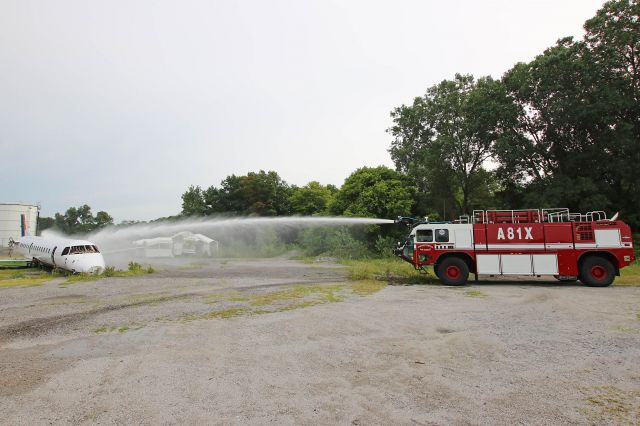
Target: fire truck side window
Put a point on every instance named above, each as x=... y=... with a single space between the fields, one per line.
x=442 y=235
x=424 y=235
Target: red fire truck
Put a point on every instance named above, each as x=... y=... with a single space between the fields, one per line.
x=569 y=246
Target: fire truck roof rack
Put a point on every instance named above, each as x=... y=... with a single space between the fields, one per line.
x=534 y=216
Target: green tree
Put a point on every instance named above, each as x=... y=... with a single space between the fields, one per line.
x=44 y=223
x=80 y=220
x=103 y=219
x=193 y=203
x=444 y=138
x=613 y=42
x=262 y=193
x=575 y=139
x=313 y=198
x=374 y=192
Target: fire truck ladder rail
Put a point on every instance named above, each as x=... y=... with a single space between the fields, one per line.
x=561 y=214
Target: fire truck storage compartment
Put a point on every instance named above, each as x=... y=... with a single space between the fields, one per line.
x=607 y=237
x=517 y=264
x=463 y=237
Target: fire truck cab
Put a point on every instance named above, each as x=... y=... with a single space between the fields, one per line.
x=535 y=242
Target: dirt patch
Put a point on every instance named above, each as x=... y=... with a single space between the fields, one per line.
x=41 y=326
x=22 y=370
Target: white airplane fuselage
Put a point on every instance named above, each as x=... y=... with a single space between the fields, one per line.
x=76 y=256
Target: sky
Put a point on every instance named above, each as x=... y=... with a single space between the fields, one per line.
x=124 y=104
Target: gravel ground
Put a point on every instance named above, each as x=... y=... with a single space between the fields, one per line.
x=147 y=350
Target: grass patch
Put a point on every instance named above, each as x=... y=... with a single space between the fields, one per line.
x=606 y=404
x=24 y=278
x=230 y=296
x=149 y=299
x=367 y=287
x=325 y=293
x=225 y=313
x=133 y=269
x=10 y=263
x=474 y=293
x=391 y=270
x=287 y=299
x=117 y=328
x=80 y=277
x=629 y=276
x=24 y=282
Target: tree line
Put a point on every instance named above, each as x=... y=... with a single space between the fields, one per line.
x=76 y=220
x=369 y=191
x=560 y=131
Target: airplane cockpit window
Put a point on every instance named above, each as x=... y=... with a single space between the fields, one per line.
x=65 y=251
x=77 y=250
x=96 y=249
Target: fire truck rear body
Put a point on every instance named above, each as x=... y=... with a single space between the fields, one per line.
x=525 y=242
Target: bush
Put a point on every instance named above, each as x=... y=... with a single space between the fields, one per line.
x=135 y=267
x=335 y=242
x=384 y=246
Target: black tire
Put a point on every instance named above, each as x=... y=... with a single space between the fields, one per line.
x=596 y=271
x=453 y=271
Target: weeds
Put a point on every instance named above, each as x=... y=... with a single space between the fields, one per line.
x=231 y=296
x=226 y=313
x=474 y=293
x=117 y=328
x=611 y=404
x=324 y=293
x=133 y=269
x=629 y=276
x=287 y=299
x=367 y=287
x=24 y=278
x=390 y=270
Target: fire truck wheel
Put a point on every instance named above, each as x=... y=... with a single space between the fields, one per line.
x=453 y=271
x=596 y=271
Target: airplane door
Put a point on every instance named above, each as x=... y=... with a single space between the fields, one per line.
x=53 y=261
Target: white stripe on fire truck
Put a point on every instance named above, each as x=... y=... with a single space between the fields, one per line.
x=518 y=246
x=559 y=246
x=586 y=245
